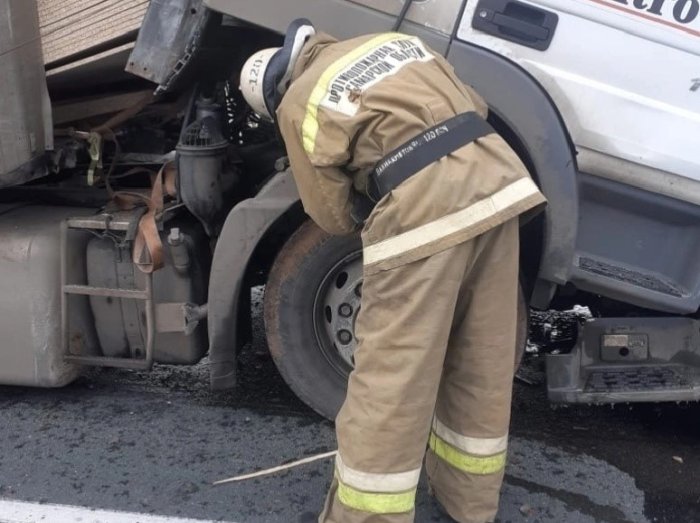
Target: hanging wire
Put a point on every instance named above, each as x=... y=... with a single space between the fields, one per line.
x=402 y=15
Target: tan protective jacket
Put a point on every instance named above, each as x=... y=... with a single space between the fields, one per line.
x=352 y=102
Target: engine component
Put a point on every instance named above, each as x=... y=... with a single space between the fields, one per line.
x=30 y=296
x=179 y=250
x=203 y=180
x=207 y=107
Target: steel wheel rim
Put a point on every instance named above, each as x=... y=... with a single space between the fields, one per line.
x=336 y=305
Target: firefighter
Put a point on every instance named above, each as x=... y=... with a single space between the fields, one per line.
x=380 y=125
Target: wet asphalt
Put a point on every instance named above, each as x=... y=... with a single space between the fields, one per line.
x=154 y=442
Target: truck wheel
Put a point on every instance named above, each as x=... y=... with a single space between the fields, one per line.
x=310 y=305
x=312 y=298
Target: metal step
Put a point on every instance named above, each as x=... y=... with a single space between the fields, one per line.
x=122 y=222
x=629 y=360
x=649 y=281
x=104 y=361
x=86 y=290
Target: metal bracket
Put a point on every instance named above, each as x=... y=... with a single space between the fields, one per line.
x=104 y=222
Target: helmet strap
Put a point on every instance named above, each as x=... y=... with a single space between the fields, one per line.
x=279 y=71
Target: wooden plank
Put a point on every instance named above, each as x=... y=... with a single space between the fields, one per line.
x=68 y=25
x=92 y=34
x=75 y=28
x=87 y=108
x=53 y=12
x=92 y=31
x=97 y=69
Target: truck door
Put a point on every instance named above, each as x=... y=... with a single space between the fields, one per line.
x=439 y=15
x=624 y=74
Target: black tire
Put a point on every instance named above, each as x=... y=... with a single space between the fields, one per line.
x=314 y=365
x=299 y=350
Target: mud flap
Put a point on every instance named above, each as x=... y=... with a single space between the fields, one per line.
x=244 y=228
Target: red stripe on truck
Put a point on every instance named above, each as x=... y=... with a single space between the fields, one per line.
x=652 y=18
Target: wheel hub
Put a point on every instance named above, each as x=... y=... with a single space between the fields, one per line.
x=336 y=306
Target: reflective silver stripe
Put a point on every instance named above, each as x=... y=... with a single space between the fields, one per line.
x=370 y=482
x=473 y=446
x=452 y=223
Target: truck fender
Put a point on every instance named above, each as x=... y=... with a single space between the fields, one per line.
x=524 y=106
x=245 y=226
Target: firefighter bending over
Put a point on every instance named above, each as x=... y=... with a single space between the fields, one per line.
x=380 y=125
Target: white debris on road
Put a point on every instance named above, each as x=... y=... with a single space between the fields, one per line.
x=23 y=512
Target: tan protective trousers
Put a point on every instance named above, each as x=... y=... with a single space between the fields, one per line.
x=433 y=367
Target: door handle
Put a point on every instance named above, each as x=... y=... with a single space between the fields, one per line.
x=517 y=22
x=526 y=29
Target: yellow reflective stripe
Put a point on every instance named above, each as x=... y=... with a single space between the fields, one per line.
x=480 y=465
x=376 y=503
x=470 y=445
x=450 y=224
x=309 y=128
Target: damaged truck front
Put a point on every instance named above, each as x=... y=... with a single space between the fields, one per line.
x=137 y=218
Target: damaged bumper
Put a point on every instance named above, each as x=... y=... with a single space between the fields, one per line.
x=629 y=360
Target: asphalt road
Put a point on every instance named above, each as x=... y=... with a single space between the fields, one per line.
x=154 y=443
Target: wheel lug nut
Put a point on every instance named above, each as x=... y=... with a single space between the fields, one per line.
x=358 y=290
x=345 y=310
x=344 y=336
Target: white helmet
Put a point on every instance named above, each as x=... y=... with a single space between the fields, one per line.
x=252 y=77
x=266 y=75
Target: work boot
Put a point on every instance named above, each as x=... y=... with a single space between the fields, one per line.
x=308 y=517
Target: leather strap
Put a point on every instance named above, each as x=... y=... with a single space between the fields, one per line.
x=147 y=252
x=148 y=247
